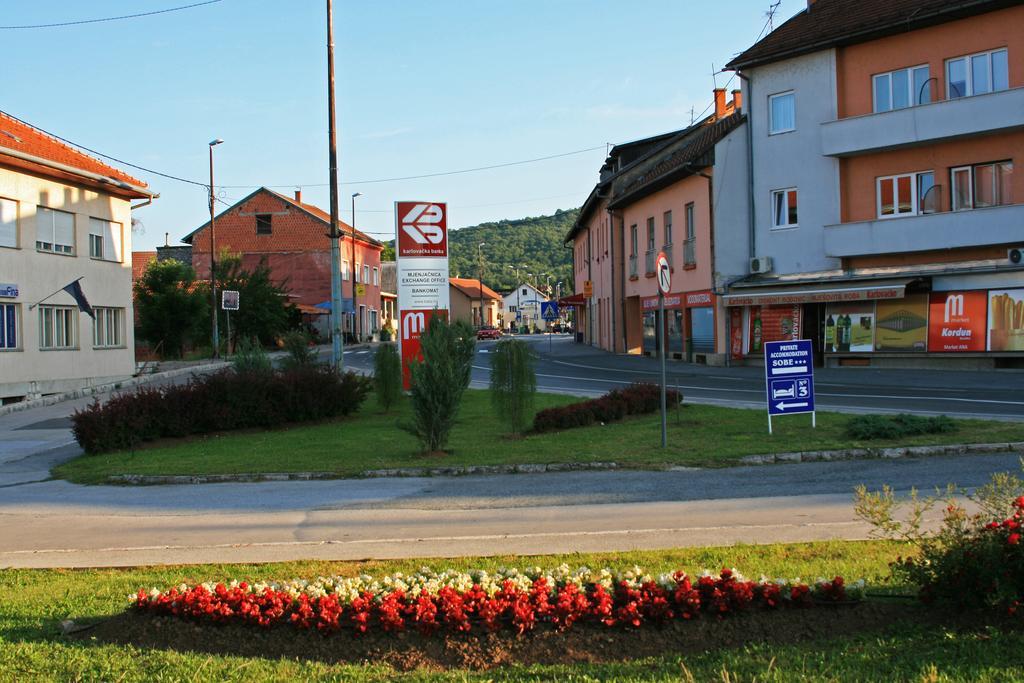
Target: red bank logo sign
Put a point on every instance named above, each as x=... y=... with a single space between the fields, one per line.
x=423 y=229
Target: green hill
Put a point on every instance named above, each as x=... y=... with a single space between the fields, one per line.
x=535 y=242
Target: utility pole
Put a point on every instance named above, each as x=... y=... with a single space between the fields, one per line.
x=337 y=342
x=480 y=279
x=215 y=336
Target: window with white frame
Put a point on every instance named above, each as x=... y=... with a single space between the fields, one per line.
x=104 y=240
x=356 y=273
x=9 y=327
x=977 y=74
x=633 y=239
x=344 y=269
x=108 y=327
x=55 y=231
x=901 y=88
x=58 y=327
x=691 y=227
x=8 y=223
x=907 y=194
x=668 y=227
x=650 y=234
x=782 y=113
x=784 y=208
x=982 y=185
x=366 y=273
x=376 y=275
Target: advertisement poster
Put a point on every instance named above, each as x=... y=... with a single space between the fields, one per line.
x=957 y=321
x=422 y=271
x=850 y=328
x=1006 y=320
x=774 y=323
x=902 y=325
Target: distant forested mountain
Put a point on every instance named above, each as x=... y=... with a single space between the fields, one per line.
x=535 y=242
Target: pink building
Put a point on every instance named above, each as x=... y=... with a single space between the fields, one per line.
x=655 y=195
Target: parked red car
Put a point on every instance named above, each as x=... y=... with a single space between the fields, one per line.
x=488 y=332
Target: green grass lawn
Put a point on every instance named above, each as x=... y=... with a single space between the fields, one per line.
x=33 y=602
x=699 y=435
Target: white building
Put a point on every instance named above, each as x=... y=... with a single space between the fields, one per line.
x=522 y=307
x=64 y=217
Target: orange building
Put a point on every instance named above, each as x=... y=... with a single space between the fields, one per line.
x=892 y=136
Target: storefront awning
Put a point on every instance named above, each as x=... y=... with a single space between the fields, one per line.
x=573 y=300
x=818 y=293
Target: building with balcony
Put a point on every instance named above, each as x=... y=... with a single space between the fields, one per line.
x=65 y=217
x=663 y=194
x=886 y=206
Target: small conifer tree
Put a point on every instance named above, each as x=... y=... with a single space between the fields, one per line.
x=513 y=383
x=387 y=376
x=440 y=379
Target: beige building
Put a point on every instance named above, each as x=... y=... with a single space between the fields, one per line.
x=64 y=217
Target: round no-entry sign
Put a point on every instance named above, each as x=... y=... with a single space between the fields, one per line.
x=664 y=273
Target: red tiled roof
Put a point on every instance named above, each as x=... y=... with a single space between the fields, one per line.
x=830 y=23
x=21 y=137
x=141 y=261
x=471 y=288
x=326 y=217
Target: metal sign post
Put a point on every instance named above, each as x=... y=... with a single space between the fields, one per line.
x=549 y=311
x=664 y=272
x=789 y=379
x=229 y=302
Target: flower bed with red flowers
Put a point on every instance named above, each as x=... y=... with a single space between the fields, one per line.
x=478 y=602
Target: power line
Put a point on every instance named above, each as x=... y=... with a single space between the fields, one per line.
x=432 y=175
x=117 y=18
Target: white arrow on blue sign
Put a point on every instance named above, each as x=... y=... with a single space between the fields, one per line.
x=789 y=378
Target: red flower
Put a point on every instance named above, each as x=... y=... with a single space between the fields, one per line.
x=1013 y=539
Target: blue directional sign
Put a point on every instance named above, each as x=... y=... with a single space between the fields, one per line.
x=549 y=310
x=789 y=377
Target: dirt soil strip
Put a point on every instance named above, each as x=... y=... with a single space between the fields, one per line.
x=583 y=643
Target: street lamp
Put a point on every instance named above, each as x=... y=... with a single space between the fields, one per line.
x=519 y=310
x=480 y=278
x=356 y=326
x=213 y=256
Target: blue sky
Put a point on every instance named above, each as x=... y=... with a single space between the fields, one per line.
x=422 y=87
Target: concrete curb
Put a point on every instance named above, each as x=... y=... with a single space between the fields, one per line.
x=457 y=471
x=867 y=453
x=469 y=470
x=128 y=383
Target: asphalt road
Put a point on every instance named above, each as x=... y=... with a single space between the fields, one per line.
x=54 y=523
x=46 y=523
x=566 y=367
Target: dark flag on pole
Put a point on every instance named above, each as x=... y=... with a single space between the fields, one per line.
x=75 y=290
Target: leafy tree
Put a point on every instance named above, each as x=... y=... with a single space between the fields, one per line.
x=387 y=375
x=171 y=309
x=513 y=383
x=388 y=253
x=264 y=312
x=440 y=379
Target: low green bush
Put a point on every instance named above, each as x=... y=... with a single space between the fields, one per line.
x=299 y=353
x=223 y=401
x=250 y=357
x=974 y=560
x=868 y=427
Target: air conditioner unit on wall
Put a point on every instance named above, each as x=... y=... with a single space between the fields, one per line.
x=1015 y=255
x=760 y=264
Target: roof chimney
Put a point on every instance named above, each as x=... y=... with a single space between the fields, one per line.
x=737 y=100
x=298 y=196
x=719 y=102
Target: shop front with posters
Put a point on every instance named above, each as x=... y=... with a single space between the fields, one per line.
x=895 y=323
x=691 y=319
